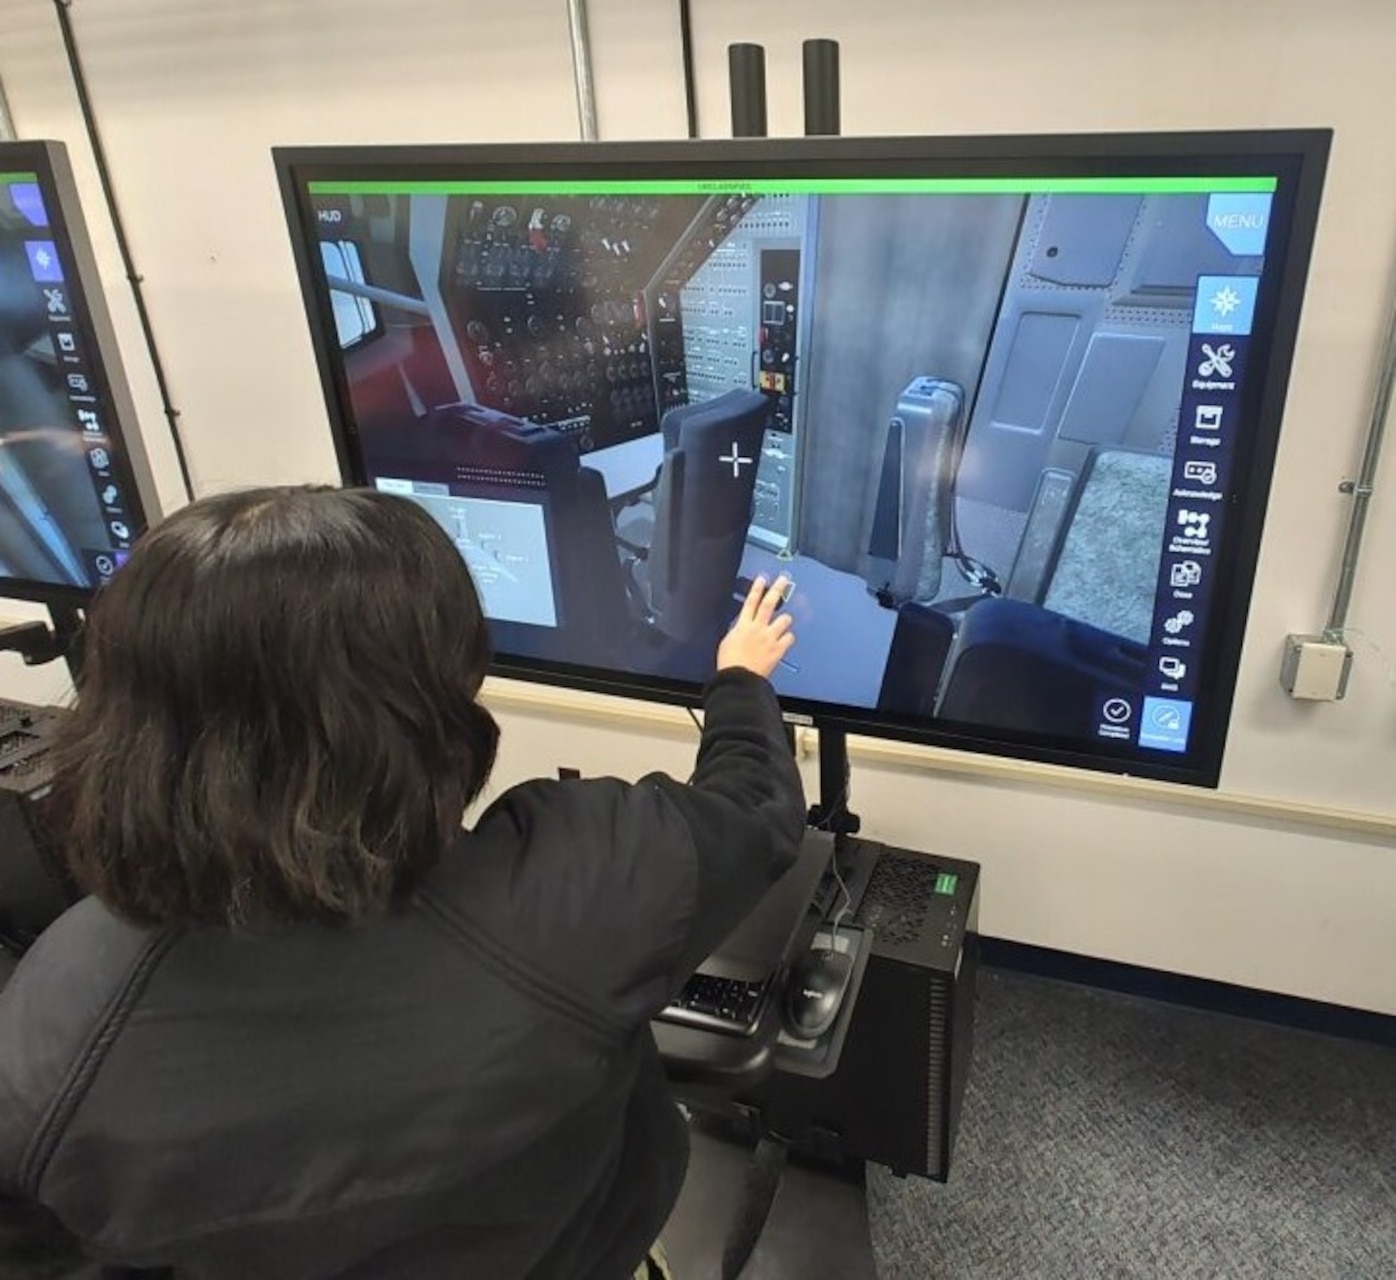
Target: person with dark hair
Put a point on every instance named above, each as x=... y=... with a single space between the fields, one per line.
x=307 y=1024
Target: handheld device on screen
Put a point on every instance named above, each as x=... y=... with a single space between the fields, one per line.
x=1006 y=408
x=75 y=488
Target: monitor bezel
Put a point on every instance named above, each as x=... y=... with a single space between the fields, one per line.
x=92 y=319
x=1296 y=158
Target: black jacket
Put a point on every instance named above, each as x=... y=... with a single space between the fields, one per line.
x=466 y=1088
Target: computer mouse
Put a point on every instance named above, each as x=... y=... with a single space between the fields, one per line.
x=814 y=991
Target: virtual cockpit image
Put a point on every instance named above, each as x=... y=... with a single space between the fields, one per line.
x=986 y=429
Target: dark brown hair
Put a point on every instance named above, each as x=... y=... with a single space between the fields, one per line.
x=277 y=716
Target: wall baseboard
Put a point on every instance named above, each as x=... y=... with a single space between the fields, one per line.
x=1196 y=993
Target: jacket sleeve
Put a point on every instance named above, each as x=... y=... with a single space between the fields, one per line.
x=613 y=891
x=59 y=1012
x=744 y=810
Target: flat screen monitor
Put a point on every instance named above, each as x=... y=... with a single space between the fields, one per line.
x=75 y=488
x=1004 y=409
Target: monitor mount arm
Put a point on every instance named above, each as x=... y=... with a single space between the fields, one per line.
x=40 y=642
x=832 y=813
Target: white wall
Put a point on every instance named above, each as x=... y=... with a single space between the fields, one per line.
x=192 y=93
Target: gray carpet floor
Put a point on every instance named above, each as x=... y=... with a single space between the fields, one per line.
x=1105 y=1136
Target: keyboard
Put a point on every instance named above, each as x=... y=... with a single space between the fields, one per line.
x=719 y=1004
x=26 y=738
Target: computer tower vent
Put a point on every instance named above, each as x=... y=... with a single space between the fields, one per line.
x=898 y=898
x=937 y=1078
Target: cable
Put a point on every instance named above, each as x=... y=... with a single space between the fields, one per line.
x=99 y=154
x=827 y=823
x=843 y=910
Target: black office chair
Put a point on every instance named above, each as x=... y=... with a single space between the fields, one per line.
x=1074 y=618
x=1018 y=666
x=1081 y=634
x=912 y=525
x=683 y=568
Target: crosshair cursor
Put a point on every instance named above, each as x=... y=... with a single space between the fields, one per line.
x=736 y=459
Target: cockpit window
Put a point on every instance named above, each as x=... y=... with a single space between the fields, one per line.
x=355 y=317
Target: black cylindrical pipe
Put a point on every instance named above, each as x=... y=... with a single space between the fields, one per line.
x=123 y=244
x=747 y=66
x=690 y=86
x=821 y=87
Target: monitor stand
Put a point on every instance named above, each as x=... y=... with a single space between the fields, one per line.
x=831 y=812
x=41 y=642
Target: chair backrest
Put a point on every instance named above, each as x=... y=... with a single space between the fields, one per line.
x=1017 y=666
x=702 y=510
x=1076 y=626
x=910 y=531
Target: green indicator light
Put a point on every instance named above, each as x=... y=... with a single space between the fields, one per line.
x=10 y=179
x=946 y=882
x=803 y=186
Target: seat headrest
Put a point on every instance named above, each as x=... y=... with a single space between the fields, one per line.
x=734 y=410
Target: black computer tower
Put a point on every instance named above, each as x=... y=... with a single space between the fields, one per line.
x=896 y=1094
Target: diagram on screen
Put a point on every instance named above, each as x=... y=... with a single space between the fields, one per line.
x=506 y=547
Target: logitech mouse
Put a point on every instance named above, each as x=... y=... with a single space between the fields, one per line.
x=814 y=991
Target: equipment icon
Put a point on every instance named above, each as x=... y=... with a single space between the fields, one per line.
x=1217 y=361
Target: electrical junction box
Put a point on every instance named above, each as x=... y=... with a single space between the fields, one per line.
x=1315 y=669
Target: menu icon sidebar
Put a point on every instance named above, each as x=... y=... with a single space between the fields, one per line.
x=1195 y=521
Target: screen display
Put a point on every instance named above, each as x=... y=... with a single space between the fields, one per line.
x=1009 y=433
x=69 y=511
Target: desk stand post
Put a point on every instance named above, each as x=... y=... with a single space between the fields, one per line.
x=832 y=813
x=40 y=642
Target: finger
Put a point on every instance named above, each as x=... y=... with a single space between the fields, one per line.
x=782 y=624
x=784 y=643
x=754 y=597
x=772 y=600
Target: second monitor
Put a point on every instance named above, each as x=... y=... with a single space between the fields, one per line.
x=75 y=489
